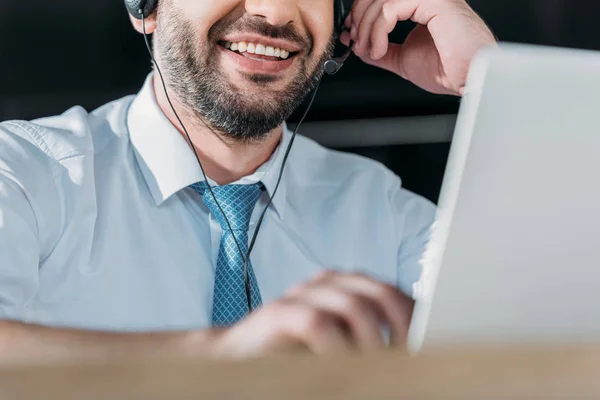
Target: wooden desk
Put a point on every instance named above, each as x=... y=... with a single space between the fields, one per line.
x=560 y=373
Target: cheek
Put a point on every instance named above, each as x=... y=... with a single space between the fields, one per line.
x=318 y=20
x=203 y=14
x=199 y=9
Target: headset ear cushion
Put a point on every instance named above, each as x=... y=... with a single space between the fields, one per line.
x=147 y=7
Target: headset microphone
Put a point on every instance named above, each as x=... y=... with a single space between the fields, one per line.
x=335 y=64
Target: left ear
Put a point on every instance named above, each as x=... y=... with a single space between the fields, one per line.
x=150 y=23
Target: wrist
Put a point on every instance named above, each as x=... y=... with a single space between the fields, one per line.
x=201 y=343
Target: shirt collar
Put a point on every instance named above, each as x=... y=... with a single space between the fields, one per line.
x=167 y=162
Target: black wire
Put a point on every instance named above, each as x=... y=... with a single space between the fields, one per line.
x=188 y=136
x=262 y=216
x=246 y=257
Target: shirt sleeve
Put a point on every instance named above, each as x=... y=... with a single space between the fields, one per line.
x=27 y=207
x=414 y=218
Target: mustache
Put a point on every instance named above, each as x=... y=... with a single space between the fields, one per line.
x=258 y=26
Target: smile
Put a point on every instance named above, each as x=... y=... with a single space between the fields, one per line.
x=256 y=58
x=258 y=51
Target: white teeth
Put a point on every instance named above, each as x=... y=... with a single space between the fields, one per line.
x=260 y=49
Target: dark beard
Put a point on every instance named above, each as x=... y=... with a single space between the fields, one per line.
x=195 y=78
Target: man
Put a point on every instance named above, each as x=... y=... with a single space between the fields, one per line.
x=113 y=243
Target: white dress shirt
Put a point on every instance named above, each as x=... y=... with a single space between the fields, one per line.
x=99 y=229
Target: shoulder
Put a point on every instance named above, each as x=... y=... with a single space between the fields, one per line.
x=42 y=161
x=43 y=149
x=328 y=167
x=72 y=133
x=358 y=179
x=321 y=164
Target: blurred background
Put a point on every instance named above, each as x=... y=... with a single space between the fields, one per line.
x=60 y=53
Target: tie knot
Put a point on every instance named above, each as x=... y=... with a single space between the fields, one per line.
x=236 y=201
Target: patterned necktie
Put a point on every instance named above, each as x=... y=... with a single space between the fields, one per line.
x=230 y=303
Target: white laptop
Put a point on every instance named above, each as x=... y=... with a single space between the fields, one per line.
x=514 y=257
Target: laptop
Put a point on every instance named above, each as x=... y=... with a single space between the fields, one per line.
x=514 y=256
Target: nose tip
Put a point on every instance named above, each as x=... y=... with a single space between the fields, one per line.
x=274 y=12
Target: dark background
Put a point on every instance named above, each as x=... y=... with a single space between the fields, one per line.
x=59 y=53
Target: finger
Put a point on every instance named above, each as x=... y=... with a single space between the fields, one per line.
x=401 y=10
x=348 y=21
x=359 y=313
x=390 y=61
x=319 y=331
x=358 y=9
x=365 y=26
x=385 y=22
x=345 y=38
x=353 y=33
x=394 y=305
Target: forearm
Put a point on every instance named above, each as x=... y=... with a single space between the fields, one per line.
x=25 y=342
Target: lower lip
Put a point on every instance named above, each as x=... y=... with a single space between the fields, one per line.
x=257 y=66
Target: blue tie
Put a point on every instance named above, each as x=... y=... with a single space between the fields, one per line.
x=230 y=303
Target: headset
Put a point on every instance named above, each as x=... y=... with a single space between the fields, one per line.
x=142 y=9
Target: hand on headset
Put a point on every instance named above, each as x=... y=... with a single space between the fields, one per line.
x=333 y=313
x=435 y=56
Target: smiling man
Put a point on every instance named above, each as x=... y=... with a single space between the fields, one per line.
x=114 y=240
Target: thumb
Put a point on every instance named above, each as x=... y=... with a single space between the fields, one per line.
x=391 y=61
